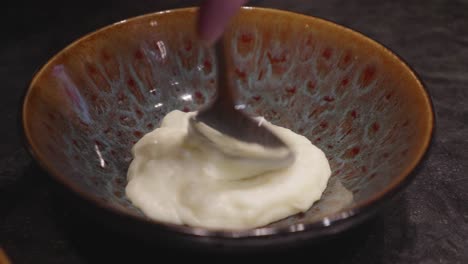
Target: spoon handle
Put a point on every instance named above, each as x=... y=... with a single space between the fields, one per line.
x=226 y=94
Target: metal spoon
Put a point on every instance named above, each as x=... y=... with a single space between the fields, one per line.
x=234 y=133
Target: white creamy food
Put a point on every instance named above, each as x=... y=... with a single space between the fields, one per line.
x=176 y=178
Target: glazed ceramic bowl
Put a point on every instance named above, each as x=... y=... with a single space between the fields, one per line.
x=349 y=95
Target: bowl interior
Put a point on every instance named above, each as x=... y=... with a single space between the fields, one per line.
x=350 y=96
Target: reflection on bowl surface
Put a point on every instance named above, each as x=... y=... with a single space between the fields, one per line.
x=350 y=96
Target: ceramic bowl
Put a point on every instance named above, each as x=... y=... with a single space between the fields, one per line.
x=356 y=100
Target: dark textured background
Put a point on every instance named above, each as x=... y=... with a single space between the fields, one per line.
x=427 y=223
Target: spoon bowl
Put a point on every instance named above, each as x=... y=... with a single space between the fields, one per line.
x=232 y=132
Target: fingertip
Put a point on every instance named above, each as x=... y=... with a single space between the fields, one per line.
x=214 y=16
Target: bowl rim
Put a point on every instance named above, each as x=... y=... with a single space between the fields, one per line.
x=334 y=220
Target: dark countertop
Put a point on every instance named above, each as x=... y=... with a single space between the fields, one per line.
x=427 y=223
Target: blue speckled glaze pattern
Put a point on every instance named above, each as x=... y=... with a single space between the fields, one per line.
x=99 y=96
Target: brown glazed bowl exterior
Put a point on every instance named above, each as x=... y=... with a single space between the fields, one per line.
x=356 y=100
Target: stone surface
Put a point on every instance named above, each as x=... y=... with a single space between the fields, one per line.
x=427 y=223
